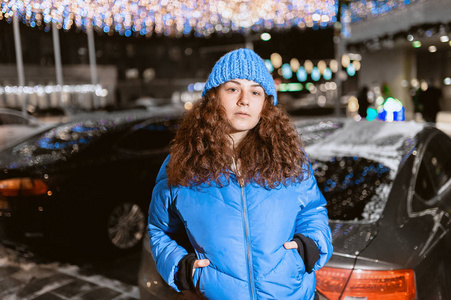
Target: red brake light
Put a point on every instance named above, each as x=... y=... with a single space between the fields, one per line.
x=22 y=187
x=384 y=285
x=332 y=281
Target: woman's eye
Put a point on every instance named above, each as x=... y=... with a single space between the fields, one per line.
x=257 y=93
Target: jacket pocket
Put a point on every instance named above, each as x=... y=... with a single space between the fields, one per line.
x=291 y=266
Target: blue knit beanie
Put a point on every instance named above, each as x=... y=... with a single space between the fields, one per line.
x=241 y=64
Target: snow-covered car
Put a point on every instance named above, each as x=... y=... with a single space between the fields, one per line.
x=15 y=125
x=388 y=188
x=86 y=182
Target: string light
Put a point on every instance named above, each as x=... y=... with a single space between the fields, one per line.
x=308 y=65
x=276 y=60
x=294 y=64
x=364 y=9
x=333 y=64
x=173 y=18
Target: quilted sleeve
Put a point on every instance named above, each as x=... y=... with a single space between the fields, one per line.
x=162 y=223
x=312 y=220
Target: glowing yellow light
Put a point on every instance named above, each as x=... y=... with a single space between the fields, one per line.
x=353 y=104
x=308 y=65
x=345 y=60
x=333 y=65
x=322 y=66
x=276 y=60
x=424 y=85
x=357 y=65
x=294 y=64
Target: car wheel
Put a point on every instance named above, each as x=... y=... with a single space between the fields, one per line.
x=126 y=224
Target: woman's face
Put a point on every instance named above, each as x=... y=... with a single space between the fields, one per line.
x=243 y=102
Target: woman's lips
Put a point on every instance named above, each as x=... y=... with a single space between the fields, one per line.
x=241 y=113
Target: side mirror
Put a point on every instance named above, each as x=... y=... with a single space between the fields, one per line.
x=444 y=194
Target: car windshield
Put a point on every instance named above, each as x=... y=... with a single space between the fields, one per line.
x=356 y=188
x=355 y=163
x=54 y=143
x=60 y=142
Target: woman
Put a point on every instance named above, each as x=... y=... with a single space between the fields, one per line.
x=238 y=182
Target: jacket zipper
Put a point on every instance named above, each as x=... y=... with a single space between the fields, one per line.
x=246 y=229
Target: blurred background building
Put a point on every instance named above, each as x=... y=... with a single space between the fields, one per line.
x=322 y=54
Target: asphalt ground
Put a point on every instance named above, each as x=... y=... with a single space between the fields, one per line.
x=25 y=275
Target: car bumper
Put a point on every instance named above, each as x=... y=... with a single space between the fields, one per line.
x=23 y=218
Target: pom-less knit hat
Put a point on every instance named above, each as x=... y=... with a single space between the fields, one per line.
x=241 y=64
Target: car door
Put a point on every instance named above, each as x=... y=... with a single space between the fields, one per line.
x=132 y=166
x=143 y=151
x=431 y=191
x=433 y=174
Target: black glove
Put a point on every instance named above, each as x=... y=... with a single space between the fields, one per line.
x=307 y=250
x=184 y=276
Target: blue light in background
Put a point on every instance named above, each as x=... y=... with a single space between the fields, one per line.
x=316 y=75
x=301 y=74
x=269 y=65
x=350 y=69
x=327 y=74
x=287 y=73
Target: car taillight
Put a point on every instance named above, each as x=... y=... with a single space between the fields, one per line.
x=23 y=187
x=333 y=283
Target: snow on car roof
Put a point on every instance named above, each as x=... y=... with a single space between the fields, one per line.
x=384 y=142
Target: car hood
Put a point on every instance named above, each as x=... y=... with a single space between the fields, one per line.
x=351 y=238
x=58 y=142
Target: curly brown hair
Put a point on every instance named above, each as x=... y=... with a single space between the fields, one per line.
x=270 y=154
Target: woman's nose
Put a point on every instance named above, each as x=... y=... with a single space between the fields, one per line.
x=243 y=99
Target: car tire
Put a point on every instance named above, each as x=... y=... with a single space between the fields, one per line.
x=125 y=225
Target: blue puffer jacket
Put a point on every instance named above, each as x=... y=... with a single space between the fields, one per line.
x=241 y=230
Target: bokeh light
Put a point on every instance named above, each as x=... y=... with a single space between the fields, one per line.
x=173 y=18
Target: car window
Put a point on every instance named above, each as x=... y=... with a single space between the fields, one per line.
x=435 y=168
x=148 y=136
x=355 y=188
x=63 y=140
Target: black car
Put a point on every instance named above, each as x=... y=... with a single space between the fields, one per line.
x=388 y=189
x=86 y=181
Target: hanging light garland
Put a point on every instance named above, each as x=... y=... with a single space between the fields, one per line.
x=363 y=9
x=172 y=18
